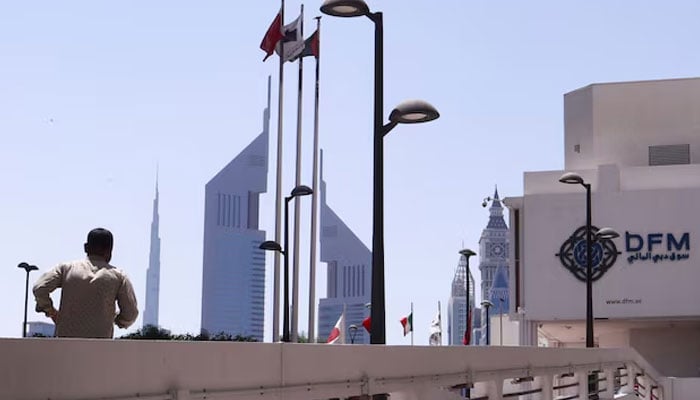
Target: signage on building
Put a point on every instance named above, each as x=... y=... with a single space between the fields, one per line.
x=651 y=247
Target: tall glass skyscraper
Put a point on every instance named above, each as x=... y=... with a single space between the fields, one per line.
x=349 y=274
x=150 y=313
x=457 y=305
x=233 y=281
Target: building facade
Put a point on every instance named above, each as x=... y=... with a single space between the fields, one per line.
x=349 y=274
x=150 y=312
x=457 y=304
x=42 y=329
x=638 y=145
x=233 y=280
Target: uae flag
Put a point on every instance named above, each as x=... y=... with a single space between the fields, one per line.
x=311 y=46
x=367 y=323
x=468 y=331
x=337 y=335
x=407 y=323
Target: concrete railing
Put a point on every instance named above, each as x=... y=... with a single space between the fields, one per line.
x=77 y=369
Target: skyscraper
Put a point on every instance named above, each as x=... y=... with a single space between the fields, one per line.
x=150 y=312
x=349 y=274
x=456 y=305
x=233 y=280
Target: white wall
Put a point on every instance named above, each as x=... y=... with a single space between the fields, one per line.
x=673 y=351
x=621 y=120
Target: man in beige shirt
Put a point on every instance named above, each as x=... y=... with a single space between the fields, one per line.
x=90 y=288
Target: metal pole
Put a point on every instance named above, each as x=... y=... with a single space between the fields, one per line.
x=314 y=203
x=488 y=326
x=500 y=320
x=467 y=335
x=297 y=209
x=589 y=270
x=285 y=333
x=377 y=313
x=26 y=299
x=592 y=378
x=278 y=193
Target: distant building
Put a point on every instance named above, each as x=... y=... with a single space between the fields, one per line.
x=493 y=263
x=456 y=305
x=150 y=312
x=349 y=274
x=233 y=280
x=35 y=328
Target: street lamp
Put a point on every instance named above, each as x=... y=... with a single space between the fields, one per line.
x=414 y=111
x=352 y=329
x=486 y=305
x=572 y=178
x=271 y=245
x=467 y=253
x=28 y=268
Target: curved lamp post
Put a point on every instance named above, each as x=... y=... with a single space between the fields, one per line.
x=271 y=245
x=487 y=305
x=467 y=253
x=352 y=329
x=414 y=111
x=572 y=178
x=29 y=268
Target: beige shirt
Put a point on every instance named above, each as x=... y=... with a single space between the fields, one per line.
x=90 y=288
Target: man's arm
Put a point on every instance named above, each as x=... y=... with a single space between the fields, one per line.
x=47 y=283
x=126 y=300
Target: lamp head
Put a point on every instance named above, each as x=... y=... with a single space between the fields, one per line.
x=352 y=328
x=486 y=304
x=571 y=178
x=606 y=233
x=413 y=112
x=301 y=190
x=27 y=267
x=271 y=245
x=467 y=252
x=345 y=8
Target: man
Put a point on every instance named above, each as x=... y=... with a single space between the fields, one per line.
x=90 y=288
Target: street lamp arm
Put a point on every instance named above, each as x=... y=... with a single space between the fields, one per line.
x=376 y=17
x=388 y=127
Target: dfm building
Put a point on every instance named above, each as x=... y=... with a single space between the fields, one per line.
x=638 y=146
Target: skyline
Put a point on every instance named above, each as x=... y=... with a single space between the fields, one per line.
x=89 y=107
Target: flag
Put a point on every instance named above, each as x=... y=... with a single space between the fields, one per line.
x=272 y=36
x=337 y=335
x=311 y=46
x=367 y=323
x=407 y=323
x=292 y=40
x=468 y=330
x=436 y=330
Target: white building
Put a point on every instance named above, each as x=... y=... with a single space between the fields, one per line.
x=150 y=312
x=349 y=276
x=638 y=145
x=233 y=281
x=38 y=328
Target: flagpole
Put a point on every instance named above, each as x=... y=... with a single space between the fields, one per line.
x=439 y=324
x=411 y=323
x=342 y=325
x=314 y=200
x=297 y=182
x=278 y=195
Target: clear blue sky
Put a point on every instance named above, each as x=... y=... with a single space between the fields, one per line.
x=94 y=95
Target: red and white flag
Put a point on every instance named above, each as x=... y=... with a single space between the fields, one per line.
x=272 y=36
x=337 y=335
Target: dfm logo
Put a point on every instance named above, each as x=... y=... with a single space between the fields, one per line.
x=573 y=254
x=657 y=247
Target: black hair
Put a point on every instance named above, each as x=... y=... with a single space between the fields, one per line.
x=98 y=240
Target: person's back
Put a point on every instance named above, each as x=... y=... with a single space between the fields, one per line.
x=90 y=288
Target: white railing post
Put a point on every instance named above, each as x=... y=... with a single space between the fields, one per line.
x=582 y=384
x=547 y=387
x=495 y=389
x=609 y=382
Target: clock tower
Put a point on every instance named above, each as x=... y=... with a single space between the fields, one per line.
x=493 y=246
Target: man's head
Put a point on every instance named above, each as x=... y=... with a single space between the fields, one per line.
x=99 y=243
